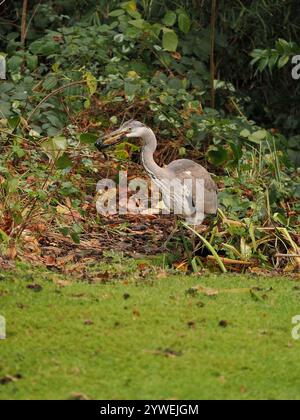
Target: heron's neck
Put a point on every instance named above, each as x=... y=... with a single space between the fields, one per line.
x=149 y=148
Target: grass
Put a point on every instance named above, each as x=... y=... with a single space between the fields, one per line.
x=153 y=338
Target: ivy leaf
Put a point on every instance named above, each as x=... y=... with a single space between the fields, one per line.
x=170 y=18
x=184 y=23
x=170 y=40
x=138 y=23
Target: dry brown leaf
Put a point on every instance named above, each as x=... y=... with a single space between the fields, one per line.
x=12 y=252
x=50 y=261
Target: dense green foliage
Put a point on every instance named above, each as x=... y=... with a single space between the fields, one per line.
x=81 y=67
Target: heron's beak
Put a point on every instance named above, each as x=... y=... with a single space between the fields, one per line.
x=111 y=139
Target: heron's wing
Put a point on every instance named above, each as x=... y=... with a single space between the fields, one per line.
x=187 y=169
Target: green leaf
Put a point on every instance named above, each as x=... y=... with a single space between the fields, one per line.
x=75 y=237
x=134 y=14
x=279 y=218
x=54 y=119
x=245 y=133
x=14 y=64
x=170 y=18
x=130 y=89
x=91 y=82
x=32 y=62
x=138 y=23
x=88 y=138
x=182 y=151
x=50 y=83
x=60 y=142
x=237 y=151
x=208 y=246
x=55 y=146
x=129 y=6
x=283 y=61
x=3 y=237
x=18 y=151
x=184 y=23
x=258 y=136
x=64 y=162
x=218 y=155
x=282 y=45
x=117 y=13
x=170 y=40
x=264 y=62
x=14 y=122
x=44 y=47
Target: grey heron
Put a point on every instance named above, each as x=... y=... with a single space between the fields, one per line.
x=182 y=170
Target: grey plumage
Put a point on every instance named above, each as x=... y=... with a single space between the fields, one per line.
x=187 y=169
x=181 y=170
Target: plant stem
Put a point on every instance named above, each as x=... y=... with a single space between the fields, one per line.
x=23 y=24
x=55 y=92
x=212 y=52
x=208 y=246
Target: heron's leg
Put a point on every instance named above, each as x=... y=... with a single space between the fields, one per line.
x=171 y=236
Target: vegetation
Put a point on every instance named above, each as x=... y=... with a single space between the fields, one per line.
x=76 y=69
x=148 y=337
x=208 y=316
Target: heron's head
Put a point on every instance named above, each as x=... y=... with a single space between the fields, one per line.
x=131 y=129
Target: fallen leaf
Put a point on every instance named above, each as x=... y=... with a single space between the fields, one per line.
x=10 y=378
x=35 y=287
x=77 y=396
x=12 y=252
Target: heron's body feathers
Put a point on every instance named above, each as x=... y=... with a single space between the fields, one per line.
x=187 y=169
x=182 y=170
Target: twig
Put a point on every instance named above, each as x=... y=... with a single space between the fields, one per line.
x=237 y=108
x=228 y=261
x=23 y=24
x=287 y=256
x=212 y=52
x=55 y=92
x=22 y=227
x=31 y=19
x=11 y=134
